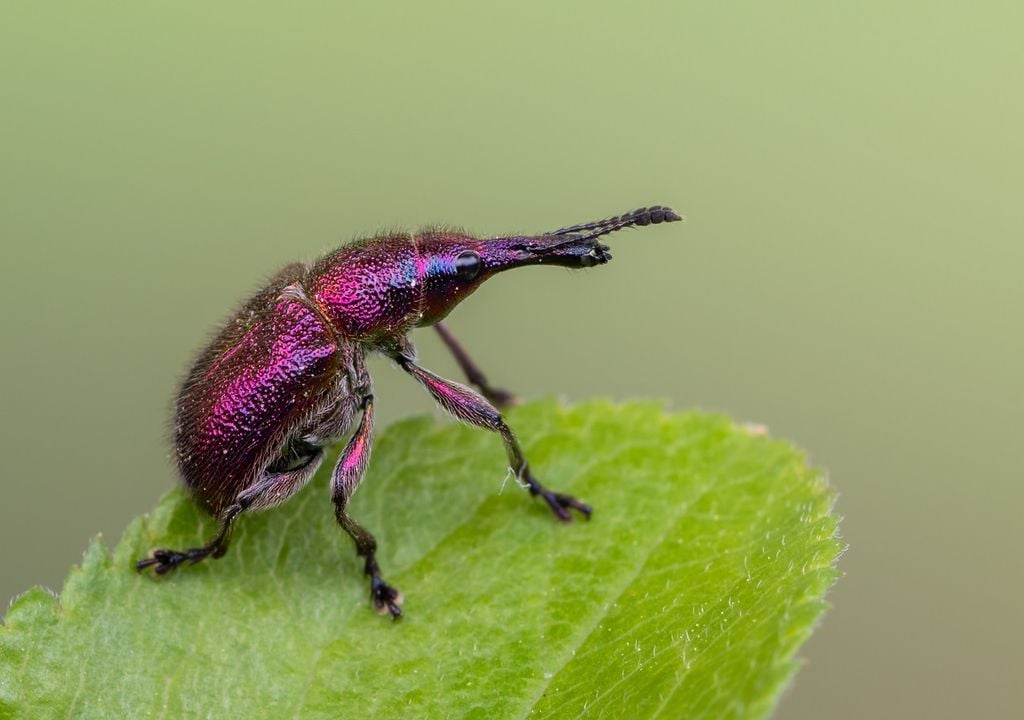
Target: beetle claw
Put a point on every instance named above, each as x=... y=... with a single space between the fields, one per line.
x=561 y=504
x=163 y=561
x=386 y=599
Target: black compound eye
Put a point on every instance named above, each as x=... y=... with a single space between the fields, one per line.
x=468 y=265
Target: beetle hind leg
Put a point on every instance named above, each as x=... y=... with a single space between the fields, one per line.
x=270 y=490
x=163 y=560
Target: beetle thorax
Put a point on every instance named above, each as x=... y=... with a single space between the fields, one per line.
x=370 y=290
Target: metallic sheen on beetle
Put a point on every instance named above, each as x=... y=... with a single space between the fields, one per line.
x=285 y=376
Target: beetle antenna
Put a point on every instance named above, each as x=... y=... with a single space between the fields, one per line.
x=642 y=216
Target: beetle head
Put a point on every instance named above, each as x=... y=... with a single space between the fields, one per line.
x=452 y=265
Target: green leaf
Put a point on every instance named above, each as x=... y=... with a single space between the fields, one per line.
x=687 y=595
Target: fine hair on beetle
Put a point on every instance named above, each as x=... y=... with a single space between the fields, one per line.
x=285 y=376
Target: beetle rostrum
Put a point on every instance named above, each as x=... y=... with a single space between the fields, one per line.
x=285 y=376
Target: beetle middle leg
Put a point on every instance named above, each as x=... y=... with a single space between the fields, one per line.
x=468 y=406
x=272 y=489
x=501 y=399
x=344 y=481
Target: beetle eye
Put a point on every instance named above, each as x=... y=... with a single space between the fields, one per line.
x=467 y=265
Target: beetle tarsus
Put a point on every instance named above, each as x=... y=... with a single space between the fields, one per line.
x=386 y=598
x=560 y=503
x=163 y=561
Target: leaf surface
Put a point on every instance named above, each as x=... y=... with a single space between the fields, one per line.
x=687 y=595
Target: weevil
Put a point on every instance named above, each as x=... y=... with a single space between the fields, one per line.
x=285 y=377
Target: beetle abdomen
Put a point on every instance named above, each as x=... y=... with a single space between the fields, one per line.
x=248 y=392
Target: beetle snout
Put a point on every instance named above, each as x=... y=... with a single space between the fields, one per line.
x=572 y=252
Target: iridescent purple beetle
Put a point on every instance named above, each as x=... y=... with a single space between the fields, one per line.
x=285 y=377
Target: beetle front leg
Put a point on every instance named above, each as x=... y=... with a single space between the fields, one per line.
x=501 y=399
x=470 y=407
x=344 y=481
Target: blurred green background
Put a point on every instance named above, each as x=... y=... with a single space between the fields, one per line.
x=850 y=272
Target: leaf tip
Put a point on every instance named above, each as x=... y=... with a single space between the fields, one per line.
x=35 y=605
